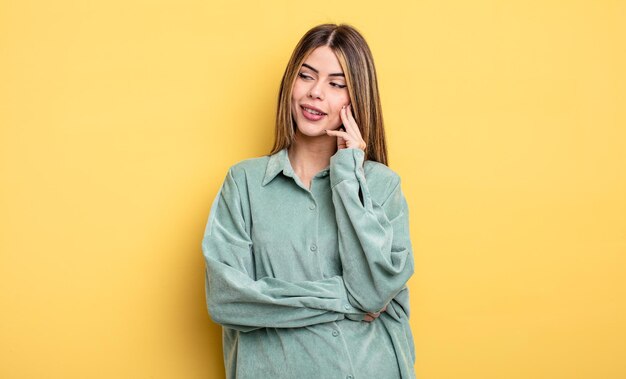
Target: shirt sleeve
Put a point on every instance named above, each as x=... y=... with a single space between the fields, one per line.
x=374 y=239
x=236 y=300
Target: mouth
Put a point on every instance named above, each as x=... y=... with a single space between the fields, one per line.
x=313 y=111
x=312 y=114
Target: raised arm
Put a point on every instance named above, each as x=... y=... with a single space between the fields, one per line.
x=236 y=300
x=374 y=241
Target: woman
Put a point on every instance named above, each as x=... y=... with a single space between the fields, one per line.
x=307 y=249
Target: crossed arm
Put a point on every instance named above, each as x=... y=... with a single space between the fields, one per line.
x=374 y=249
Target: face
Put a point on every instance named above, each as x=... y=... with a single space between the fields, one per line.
x=320 y=86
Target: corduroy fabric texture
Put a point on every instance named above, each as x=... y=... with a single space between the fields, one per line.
x=291 y=271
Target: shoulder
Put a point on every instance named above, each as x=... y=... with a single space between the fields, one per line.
x=380 y=171
x=249 y=165
x=247 y=170
x=381 y=179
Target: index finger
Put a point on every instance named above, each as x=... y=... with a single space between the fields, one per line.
x=349 y=122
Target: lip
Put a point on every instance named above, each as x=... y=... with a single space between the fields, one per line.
x=310 y=116
x=312 y=107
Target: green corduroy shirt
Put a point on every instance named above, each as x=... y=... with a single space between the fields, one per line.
x=291 y=271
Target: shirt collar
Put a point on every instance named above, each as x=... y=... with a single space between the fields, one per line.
x=278 y=162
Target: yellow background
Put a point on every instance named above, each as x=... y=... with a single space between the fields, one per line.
x=505 y=119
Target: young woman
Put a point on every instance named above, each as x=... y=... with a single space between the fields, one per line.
x=307 y=249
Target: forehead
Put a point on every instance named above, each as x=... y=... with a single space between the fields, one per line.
x=324 y=60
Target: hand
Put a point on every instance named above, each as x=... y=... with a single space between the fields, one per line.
x=351 y=137
x=373 y=316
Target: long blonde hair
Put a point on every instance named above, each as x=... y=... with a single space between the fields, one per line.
x=357 y=63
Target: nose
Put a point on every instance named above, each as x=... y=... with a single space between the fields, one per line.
x=316 y=91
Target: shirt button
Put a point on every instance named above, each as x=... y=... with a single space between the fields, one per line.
x=349 y=377
x=313 y=247
x=335 y=333
x=312 y=206
x=346 y=307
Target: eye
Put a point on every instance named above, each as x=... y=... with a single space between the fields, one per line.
x=304 y=76
x=338 y=85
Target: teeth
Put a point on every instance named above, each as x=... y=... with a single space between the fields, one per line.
x=313 y=112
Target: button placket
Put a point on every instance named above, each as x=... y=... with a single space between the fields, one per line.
x=312 y=206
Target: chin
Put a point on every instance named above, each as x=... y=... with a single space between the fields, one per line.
x=312 y=131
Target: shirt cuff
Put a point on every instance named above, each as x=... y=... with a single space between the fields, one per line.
x=346 y=164
x=346 y=306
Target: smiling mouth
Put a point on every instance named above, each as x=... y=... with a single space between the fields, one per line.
x=311 y=111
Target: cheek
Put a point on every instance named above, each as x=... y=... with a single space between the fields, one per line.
x=295 y=97
x=297 y=91
x=339 y=102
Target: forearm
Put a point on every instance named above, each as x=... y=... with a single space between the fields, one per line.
x=235 y=300
x=374 y=242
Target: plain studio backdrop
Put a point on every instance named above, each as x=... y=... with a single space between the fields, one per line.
x=118 y=120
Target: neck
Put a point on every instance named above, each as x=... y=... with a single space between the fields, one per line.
x=309 y=155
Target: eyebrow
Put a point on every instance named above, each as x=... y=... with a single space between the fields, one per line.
x=317 y=72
